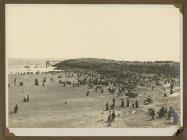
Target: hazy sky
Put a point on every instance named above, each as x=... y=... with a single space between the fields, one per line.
x=120 y=32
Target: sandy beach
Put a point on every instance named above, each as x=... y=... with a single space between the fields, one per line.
x=46 y=107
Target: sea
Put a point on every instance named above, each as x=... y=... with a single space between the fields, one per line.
x=20 y=65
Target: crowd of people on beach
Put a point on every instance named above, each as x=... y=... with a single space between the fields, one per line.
x=125 y=87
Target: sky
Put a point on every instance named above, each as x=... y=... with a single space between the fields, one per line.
x=119 y=32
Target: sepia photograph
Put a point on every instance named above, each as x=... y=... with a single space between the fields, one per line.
x=94 y=66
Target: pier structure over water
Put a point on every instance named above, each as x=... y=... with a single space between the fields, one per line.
x=52 y=62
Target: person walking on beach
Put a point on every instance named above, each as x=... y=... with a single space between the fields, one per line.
x=113 y=116
x=16 y=109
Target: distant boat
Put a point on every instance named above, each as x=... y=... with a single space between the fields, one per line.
x=26 y=66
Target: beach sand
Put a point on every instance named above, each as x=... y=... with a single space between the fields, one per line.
x=47 y=108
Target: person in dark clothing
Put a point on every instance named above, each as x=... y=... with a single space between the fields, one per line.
x=170 y=111
x=16 y=109
x=107 y=106
x=112 y=106
x=132 y=105
x=137 y=104
x=109 y=118
x=128 y=102
x=27 y=98
x=113 y=116
x=153 y=114
x=165 y=112
x=102 y=90
x=171 y=86
x=24 y=99
x=114 y=100
x=122 y=103
x=36 y=82
x=161 y=112
x=171 y=91
x=20 y=83
x=87 y=93
x=15 y=82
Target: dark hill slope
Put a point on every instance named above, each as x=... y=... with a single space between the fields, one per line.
x=107 y=66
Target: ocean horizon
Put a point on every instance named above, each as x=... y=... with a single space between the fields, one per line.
x=21 y=65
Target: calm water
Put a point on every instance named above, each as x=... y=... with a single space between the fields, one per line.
x=27 y=65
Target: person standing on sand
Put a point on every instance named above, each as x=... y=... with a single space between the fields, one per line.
x=171 y=118
x=87 y=93
x=132 y=105
x=175 y=117
x=107 y=106
x=170 y=112
x=112 y=106
x=36 y=82
x=113 y=116
x=109 y=118
x=137 y=104
x=102 y=90
x=122 y=103
x=27 y=98
x=15 y=82
x=24 y=99
x=114 y=100
x=153 y=114
x=16 y=109
x=128 y=102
